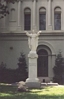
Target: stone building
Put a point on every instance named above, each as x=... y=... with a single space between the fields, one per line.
x=26 y=15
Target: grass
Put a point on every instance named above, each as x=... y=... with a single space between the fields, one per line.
x=9 y=92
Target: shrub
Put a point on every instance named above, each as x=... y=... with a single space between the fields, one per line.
x=14 y=75
x=59 y=69
x=22 y=68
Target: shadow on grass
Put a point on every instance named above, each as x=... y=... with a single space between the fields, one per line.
x=9 y=92
x=29 y=96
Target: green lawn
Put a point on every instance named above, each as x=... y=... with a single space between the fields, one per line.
x=8 y=92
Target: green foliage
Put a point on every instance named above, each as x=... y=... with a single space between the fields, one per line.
x=14 y=75
x=2 y=65
x=59 y=69
x=3 y=10
x=22 y=67
x=4 y=7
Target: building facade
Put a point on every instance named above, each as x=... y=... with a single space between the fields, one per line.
x=26 y=15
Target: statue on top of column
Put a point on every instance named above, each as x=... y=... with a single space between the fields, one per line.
x=33 y=39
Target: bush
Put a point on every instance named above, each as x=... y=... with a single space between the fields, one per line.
x=59 y=69
x=22 y=68
x=14 y=75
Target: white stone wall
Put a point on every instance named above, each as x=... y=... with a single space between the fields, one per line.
x=10 y=56
x=10 y=25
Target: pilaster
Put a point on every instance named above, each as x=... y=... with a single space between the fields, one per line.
x=53 y=64
x=49 y=14
x=34 y=15
x=19 y=16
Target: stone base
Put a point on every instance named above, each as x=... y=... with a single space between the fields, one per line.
x=48 y=84
x=52 y=84
x=49 y=27
x=33 y=83
x=19 y=29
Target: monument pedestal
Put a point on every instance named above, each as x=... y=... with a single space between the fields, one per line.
x=32 y=81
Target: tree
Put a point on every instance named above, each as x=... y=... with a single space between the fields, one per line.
x=4 y=8
x=59 y=69
x=22 y=67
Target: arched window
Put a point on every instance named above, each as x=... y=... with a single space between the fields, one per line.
x=42 y=18
x=42 y=63
x=57 y=18
x=27 y=19
x=12 y=15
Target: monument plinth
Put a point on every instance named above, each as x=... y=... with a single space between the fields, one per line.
x=32 y=81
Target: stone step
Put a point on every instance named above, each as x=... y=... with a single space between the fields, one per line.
x=49 y=84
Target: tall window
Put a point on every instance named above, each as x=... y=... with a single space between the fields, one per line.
x=27 y=19
x=57 y=18
x=42 y=19
x=12 y=15
x=42 y=63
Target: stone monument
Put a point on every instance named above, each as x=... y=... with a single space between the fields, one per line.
x=32 y=81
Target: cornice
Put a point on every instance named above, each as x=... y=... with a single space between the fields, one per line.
x=23 y=34
x=49 y=0
x=34 y=0
x=12 y=34
x=52 y=33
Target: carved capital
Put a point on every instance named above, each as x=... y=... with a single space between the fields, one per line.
x=50 y=0
x=32 y=54
x=19 y=0
x=34 y=0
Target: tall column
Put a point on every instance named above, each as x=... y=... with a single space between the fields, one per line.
x=50 y=67
x=49 y=14
x=19 y=15
x=53 y=64
x=34 y=15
